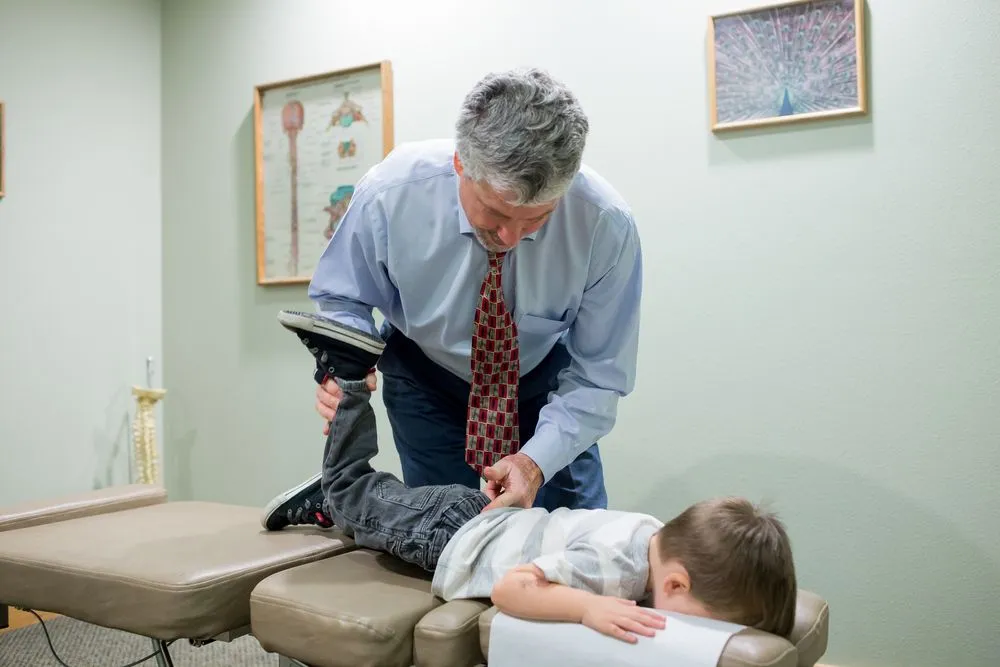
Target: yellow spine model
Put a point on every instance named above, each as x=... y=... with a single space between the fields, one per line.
x=147 y=468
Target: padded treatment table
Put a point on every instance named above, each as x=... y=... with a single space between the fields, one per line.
x=363 y=609
x=128 y=559
x=164 y=570
x=73 y=506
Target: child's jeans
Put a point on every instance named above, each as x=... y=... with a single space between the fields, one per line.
x=374 y=507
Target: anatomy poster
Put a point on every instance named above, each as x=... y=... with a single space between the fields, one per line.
x=315 y=138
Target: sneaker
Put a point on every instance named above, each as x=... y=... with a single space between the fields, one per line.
x=300 y=506
x=340 y=351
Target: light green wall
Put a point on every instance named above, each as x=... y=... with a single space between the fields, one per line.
x=80 y=274
x=822 y=307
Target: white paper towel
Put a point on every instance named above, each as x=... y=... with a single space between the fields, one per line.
x=686 y=641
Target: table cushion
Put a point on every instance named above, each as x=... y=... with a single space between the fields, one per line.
x=358 y=609
x=169 y=571
x=74 y=506
x=448 y=636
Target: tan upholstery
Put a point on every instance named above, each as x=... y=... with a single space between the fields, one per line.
x=168 y=571
x=358 y=609
x=80 y=504
x=812 y=628
x=753 y=648
x=449 y=635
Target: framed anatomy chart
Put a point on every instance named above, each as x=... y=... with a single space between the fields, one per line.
x=314 y=138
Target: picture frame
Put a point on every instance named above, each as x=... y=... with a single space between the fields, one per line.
x=787 y=62
x=3 y=150
x=314 y=137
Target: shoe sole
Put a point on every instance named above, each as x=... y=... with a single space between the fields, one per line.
x=283 y=498
x=312 y=324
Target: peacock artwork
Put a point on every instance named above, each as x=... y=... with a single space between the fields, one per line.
x=789 y=62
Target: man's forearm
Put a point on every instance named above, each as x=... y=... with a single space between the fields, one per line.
x=575 y=417
x=350 y=279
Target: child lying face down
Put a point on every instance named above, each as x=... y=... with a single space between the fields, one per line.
x=720 y=558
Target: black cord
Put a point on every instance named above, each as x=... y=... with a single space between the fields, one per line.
x=60 y=661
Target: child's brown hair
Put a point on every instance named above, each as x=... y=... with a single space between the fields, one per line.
x=739 y=559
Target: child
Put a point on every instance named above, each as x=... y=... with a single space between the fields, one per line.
x=720 y=558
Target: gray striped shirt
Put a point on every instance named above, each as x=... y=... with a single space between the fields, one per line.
x=602 y=551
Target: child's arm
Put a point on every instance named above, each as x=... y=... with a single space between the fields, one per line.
x=525 y=593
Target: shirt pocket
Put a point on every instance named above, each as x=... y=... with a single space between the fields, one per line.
x=542 y=326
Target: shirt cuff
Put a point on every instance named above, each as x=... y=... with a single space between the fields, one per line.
x=548 y=450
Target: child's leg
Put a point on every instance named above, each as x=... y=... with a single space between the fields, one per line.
x=373 y=507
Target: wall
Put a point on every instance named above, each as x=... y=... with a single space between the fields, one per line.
x=822 y=304
x=80 y=274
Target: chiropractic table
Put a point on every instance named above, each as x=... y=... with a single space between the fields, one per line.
x=126 y=558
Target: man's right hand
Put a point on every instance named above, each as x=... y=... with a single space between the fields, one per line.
x=328 y=397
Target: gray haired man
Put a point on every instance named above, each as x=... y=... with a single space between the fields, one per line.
x=509 y=276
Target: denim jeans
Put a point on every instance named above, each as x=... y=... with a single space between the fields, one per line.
x=375 y=508
x=427 y=408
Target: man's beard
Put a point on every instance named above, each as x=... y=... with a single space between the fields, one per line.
x=491 y=241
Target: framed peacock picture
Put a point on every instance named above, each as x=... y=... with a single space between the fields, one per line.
x=787 y=62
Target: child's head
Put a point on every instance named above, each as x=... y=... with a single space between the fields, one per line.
x=726 y=559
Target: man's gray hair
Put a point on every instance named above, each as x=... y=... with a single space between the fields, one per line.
x=522 y=132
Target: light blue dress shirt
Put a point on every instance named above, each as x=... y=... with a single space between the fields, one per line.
x=406 y=248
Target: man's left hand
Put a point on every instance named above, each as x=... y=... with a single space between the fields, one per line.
x=513 y=482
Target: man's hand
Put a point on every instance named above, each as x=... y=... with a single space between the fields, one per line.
x=621 y=619
x=328 y=397
x=513 y=482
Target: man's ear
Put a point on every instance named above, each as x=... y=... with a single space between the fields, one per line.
x=458 y=164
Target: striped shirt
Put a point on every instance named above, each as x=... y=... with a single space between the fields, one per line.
x=602 y=551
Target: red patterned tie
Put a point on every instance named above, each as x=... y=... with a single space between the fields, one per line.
x=492 y=418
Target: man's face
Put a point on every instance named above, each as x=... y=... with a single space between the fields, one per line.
x=499 y=225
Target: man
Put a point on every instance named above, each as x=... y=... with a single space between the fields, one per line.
x=509 y=277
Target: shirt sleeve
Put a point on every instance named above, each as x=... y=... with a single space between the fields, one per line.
x=591 y=568
x=352 y=278
x=603 y=347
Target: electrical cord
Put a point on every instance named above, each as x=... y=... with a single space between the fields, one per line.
x=60 y=660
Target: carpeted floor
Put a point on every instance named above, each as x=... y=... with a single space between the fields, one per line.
x=83 y=645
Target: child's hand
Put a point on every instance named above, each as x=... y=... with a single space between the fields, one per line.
x=621 y=618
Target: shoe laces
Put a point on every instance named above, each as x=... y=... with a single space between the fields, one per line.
x=309 y=512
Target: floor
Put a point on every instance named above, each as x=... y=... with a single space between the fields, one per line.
x=76 y=643
x=20 y=619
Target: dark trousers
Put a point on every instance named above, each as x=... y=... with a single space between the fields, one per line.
x=428 y=406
